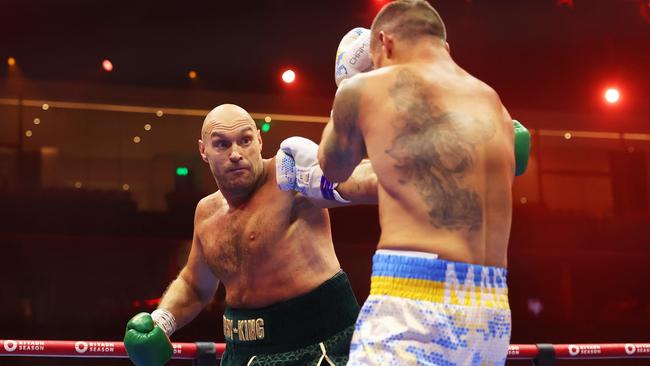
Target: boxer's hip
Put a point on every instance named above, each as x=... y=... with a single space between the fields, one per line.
x=423 y=310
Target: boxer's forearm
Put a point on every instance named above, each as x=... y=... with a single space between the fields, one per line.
x=361 y=187
x=183 y=301
x=337 y=164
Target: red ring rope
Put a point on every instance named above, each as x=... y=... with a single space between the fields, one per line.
x=583 y=351
x=101 y=349
x=187 y=351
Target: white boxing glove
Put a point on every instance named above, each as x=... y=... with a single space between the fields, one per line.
x=297 y=168
x=353 y=55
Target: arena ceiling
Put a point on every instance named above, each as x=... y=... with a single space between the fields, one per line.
x=537 y=53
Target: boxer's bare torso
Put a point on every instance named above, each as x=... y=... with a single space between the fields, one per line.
x=441 y=144
x=275 y=246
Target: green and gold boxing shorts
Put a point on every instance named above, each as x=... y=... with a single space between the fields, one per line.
x=311 y=329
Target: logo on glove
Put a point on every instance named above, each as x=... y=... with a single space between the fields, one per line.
x=358 y=54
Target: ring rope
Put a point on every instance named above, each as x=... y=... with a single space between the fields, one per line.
x=188 y=351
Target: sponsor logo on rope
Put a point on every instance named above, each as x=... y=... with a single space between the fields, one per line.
x=81 y=347
x=10 y=345
x=96 y=347
x=575 y=350
x=513 y=350
x=101 y=347
x=638 y=348
x=178 y=349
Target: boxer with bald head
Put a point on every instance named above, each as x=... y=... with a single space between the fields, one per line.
x=445 y=153
x=288 y=302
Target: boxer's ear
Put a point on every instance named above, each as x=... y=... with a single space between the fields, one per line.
x=259 y=138
x=202 y=151
x=386 y=42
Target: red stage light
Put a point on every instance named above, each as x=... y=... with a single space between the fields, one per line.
x=152 y=302
x=288 y=76
x=612 y=95
x=567 y=3
x=107 y=65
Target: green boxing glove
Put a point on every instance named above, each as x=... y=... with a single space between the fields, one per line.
x=145 y=342
x=522 y=147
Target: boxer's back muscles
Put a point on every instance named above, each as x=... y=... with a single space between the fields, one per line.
x=276 y=246
x=441 y=144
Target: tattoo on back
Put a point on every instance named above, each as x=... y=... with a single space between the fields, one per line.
x=433 y=150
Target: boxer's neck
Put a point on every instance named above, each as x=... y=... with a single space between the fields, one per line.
x=424 y=50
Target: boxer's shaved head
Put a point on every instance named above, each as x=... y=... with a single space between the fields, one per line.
x=408 y=20
x=226 y=116
x=231 y=144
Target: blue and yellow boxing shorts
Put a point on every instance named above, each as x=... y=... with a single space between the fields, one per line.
x=427 y=311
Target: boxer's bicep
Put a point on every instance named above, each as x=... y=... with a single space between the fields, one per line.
x=197 y=272
x=194 y=287
x=342 y=146
x=505 y=114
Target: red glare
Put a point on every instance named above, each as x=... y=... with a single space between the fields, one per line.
x=376 y=5
x=148 y=302
x=152 y=302
x=567 y=3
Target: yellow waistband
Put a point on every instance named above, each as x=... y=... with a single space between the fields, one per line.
x=442 y=292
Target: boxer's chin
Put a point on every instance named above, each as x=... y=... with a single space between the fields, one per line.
x=237 y=181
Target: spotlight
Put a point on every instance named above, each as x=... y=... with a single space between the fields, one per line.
x=107 y=65
x=612 y=95
x=288 y=76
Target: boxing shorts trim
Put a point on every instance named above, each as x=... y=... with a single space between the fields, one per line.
x=437 y=280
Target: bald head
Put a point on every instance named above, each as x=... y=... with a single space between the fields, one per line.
x=226 y=116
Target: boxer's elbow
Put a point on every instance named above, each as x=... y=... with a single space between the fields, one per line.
x=335 y=171
x=335 y=163
x=329 y=170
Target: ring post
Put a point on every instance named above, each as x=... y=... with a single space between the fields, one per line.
x=206 y=354
x=546 y=355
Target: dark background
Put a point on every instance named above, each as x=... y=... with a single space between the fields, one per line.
x=78 y=260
